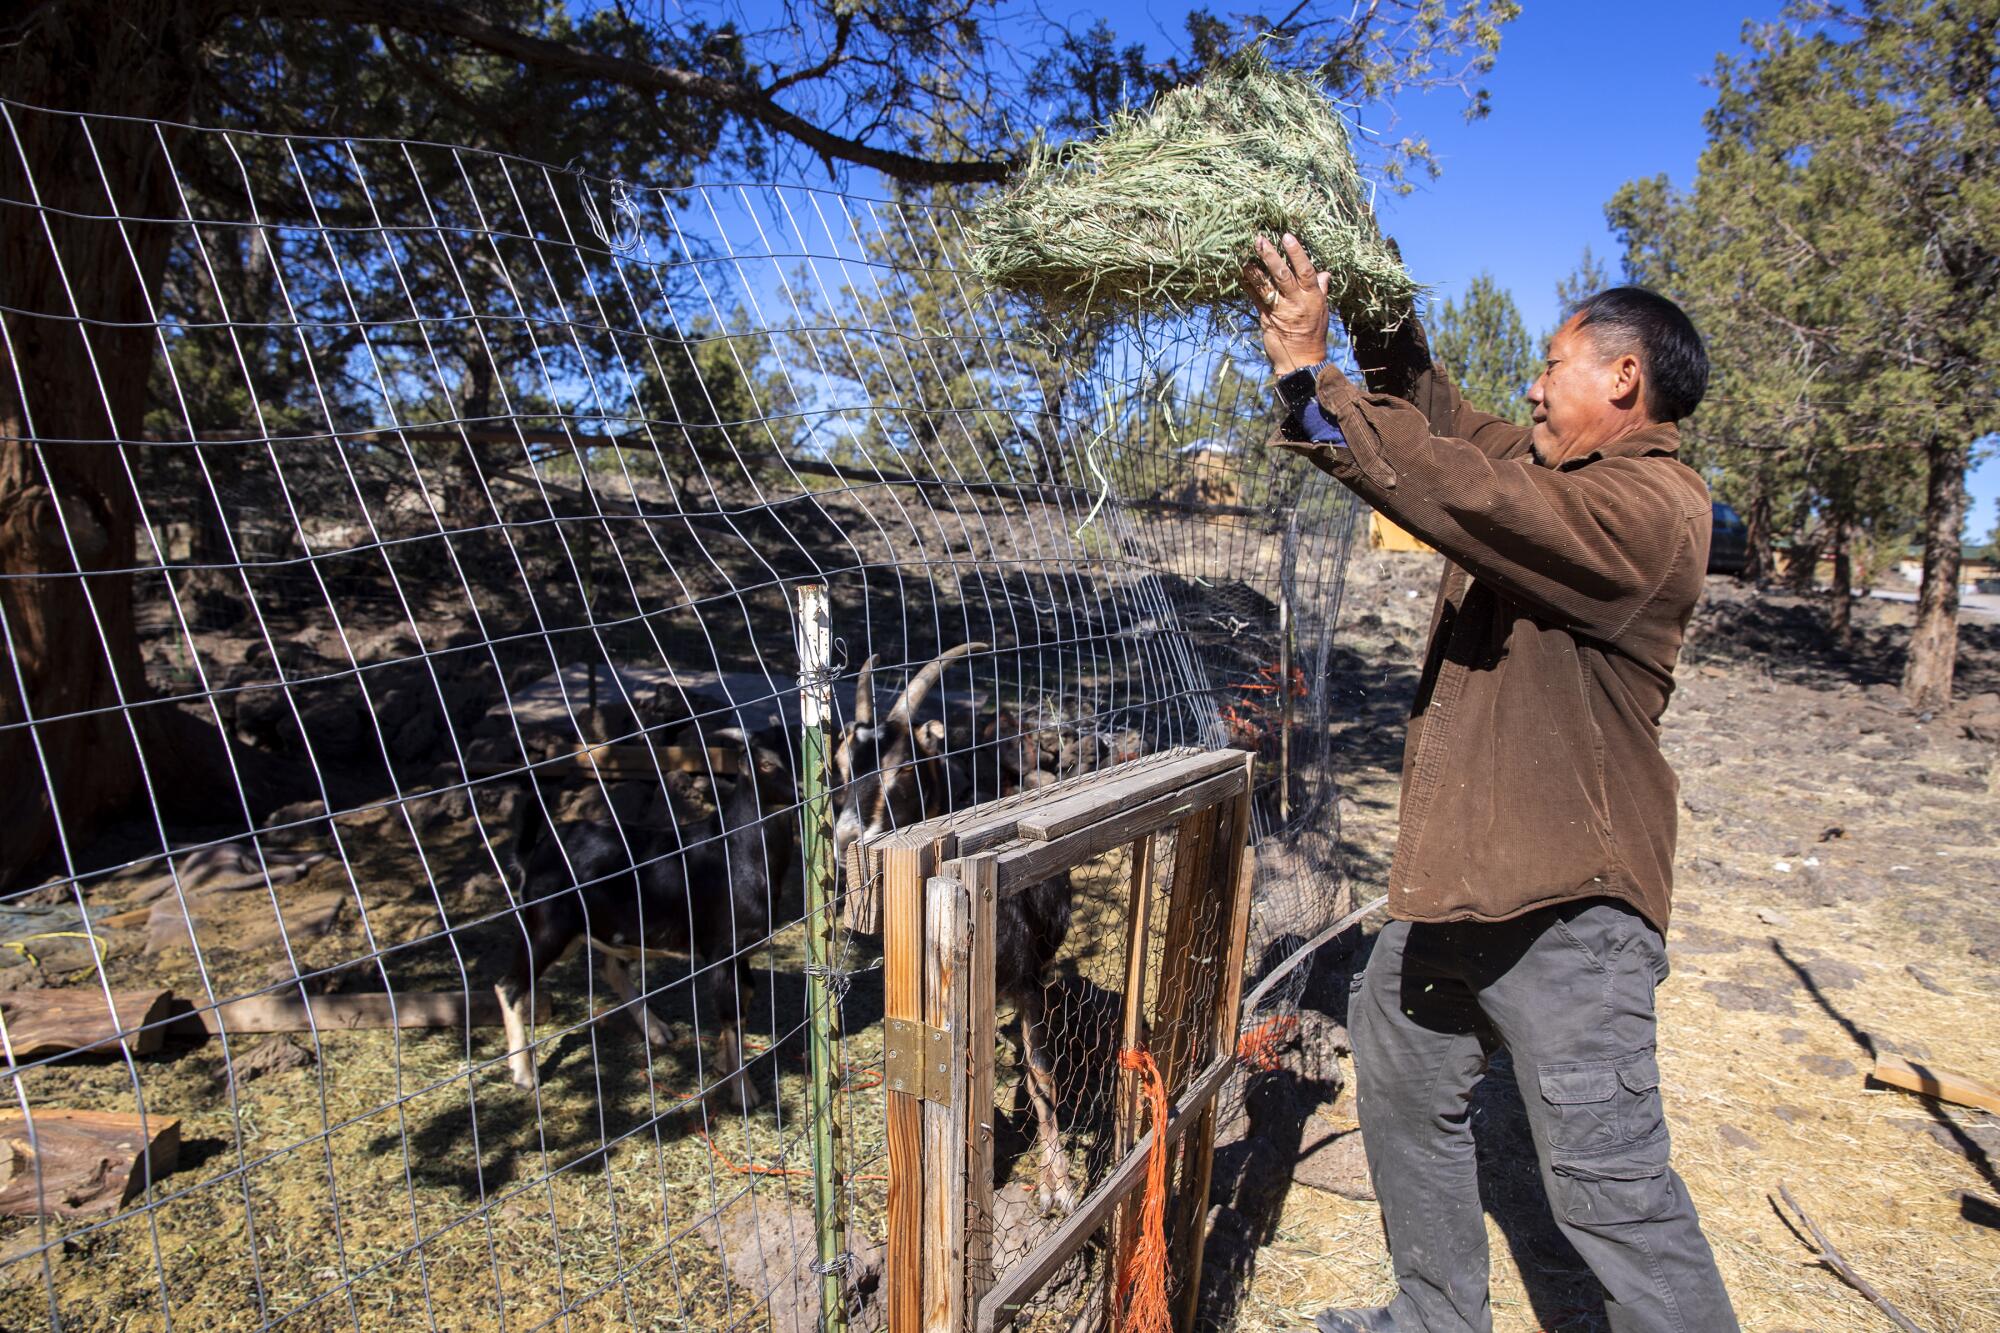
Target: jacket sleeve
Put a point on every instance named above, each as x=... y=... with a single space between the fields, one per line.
x=1398 y=363
x=1588 y=547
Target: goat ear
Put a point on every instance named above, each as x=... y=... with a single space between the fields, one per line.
x=931 y=737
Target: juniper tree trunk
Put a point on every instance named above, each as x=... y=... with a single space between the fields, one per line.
x=1762 y=563
x=1934 y=638
x=70 y=388
x=1802 y=559
x=1840 y=611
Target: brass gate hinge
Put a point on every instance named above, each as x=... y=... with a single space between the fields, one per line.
x=916 y=1059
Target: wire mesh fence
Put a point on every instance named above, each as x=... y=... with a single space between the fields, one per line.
x=401 y=713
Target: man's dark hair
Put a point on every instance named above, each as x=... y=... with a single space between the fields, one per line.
x=1670 y=350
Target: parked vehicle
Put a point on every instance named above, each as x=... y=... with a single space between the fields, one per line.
x=1729 y=548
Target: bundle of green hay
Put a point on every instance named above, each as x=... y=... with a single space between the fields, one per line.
x=1157 y=212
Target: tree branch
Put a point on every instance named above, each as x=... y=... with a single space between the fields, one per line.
x=844 y=27
x=1836 y=1261
x=747 y=100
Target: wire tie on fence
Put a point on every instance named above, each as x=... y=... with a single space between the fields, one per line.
x=837 y=980
x=840 y=1263
x=815 y=678
x=818 y=677
x=626 y=235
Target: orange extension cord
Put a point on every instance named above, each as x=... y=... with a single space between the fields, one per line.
x=1142 y=1285
x=1258 y=1048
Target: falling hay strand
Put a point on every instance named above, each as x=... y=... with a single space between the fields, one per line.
x=1157 y=213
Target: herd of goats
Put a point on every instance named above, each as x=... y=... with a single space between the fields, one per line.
x=704 y=889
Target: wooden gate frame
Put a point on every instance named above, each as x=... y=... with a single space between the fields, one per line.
x=941 y=881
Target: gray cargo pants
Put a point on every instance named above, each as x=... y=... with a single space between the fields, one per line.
x=1568 y=990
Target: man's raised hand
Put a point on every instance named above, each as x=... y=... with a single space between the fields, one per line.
x=1291 y=303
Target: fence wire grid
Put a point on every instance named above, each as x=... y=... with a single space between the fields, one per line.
x=398 y=548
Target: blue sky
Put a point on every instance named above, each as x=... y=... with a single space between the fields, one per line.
x=1586 y=96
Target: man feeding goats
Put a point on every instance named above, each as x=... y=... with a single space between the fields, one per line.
x=1533 y=872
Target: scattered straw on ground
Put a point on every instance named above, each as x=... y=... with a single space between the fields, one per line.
x=1157 y=213
x=1834 y=899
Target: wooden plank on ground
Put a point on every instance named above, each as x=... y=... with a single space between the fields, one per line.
x=82 y=1163
x=1915 y=1076
x=366 y=1010
x=947 y=913
x=905 y=869
x=34 y=1023
x=1027 y=862
x=1027 y=1276
x=619 y=763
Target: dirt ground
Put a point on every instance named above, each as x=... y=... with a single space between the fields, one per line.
x=1836 y=871
x=1835 y=899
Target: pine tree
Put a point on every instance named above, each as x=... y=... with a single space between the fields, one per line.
x=1584 y=281
x=1483 y=346
x=1841 y=252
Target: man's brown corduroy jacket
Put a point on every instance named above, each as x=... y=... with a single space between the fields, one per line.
x=1532 y=772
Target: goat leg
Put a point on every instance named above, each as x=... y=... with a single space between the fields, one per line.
x=1053 y=1189
x=619 y=977
x=517 y=1017
x=547 y=932
x=730 y=983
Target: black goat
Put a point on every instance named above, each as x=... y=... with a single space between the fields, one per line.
x=710 y=902
x=892 y=773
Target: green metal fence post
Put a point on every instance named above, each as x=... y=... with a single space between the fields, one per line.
x=815 y=648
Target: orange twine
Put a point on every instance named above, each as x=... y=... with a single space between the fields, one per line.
x=1142 y=1283
x=1259 y=1046
x=847 y=1084
x=737 y=1168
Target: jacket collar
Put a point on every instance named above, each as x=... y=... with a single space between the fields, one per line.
x=1661 y=438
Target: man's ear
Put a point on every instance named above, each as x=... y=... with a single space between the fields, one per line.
x=1628 y=377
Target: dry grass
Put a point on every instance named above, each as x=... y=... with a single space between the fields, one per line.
x=1157 y=213
x=405 y=1183
x=1889 y=1200
x=1783 y=979
x=366 y=1169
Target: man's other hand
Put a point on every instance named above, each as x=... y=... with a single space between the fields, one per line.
x=1291 y=303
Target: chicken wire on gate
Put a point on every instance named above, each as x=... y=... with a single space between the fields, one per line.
x=1144 y=981
x=380 y=513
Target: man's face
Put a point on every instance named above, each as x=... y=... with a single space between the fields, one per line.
x=1583 y=398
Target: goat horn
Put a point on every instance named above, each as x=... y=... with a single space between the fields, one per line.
x=912 y=697
x=864 y=693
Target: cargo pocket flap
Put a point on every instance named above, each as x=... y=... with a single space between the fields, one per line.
x=1640 y=1075
x=1632 y=1161
x=1578 y=1084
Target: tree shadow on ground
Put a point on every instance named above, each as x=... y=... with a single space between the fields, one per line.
x=1368 y=709
x=601 y=1062
x=1786 y=637
x=1968 y=1147
x=1253 y=1171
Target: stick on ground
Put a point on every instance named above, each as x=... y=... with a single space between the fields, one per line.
x=1834 y=1260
